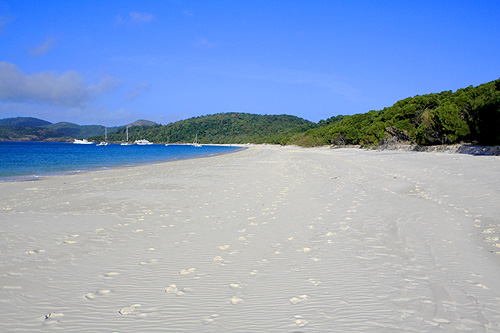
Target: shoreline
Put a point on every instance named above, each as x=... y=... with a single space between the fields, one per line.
x=36 y=177
x=268 y=238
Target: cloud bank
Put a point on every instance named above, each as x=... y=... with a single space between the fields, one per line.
x=66 y=89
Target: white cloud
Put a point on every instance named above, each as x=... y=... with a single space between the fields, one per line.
x=141 y=17
x=66 y=89
x=135 y=91
x=44 y=48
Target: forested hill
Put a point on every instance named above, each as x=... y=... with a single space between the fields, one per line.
x=220 y=128
x=23 y=122
x=469 y=115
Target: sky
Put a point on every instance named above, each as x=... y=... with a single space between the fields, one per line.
x=114 y=62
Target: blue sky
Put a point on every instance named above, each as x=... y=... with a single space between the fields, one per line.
x=113 y=62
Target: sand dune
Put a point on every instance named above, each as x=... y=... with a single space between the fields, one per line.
x=269 y=239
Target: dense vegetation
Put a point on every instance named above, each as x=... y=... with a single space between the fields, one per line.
x=220 y=128
x=470 y=115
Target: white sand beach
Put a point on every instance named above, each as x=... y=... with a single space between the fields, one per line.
x=268 y=239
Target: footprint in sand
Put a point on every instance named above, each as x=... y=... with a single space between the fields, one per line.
x=314 y=282
x=97 y=293
x=173 y=289
x=148 y=262
x=254 y=272
x=69 y=242
x=298 y=299
x=300 y=322
x=111 y=275
x=235 y=285
x=224 y=247
x=210 y=319
x=36 y=251
x=128 y=309
x=221 y=261
x=187 y=271
x=235 y=300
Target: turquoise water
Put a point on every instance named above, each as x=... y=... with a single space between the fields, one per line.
x=30 y=160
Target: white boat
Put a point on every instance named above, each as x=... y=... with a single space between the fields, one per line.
x=142 y=142
x=195 y=143
x=166 y=144
x=126 y=143
x=105 y=142
x=82 y=142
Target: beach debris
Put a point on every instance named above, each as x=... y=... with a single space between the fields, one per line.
x=52 y=318
x=54 y=315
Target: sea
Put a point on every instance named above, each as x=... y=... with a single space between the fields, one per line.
x=25 y=161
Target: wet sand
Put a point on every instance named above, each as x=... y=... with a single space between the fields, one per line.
x=269 y=239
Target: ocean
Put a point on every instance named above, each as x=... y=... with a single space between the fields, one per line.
x=31 y=160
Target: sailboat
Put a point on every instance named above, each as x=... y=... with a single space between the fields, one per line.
x=195 y=143
x=126 y=143
x=105 y=142
x=168 y=138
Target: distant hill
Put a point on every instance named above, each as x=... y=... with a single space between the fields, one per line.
x=16 y=133
x=34 y=129
x=79 y=131
x=220 y=128
x=142 y=122
x=23 y=122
